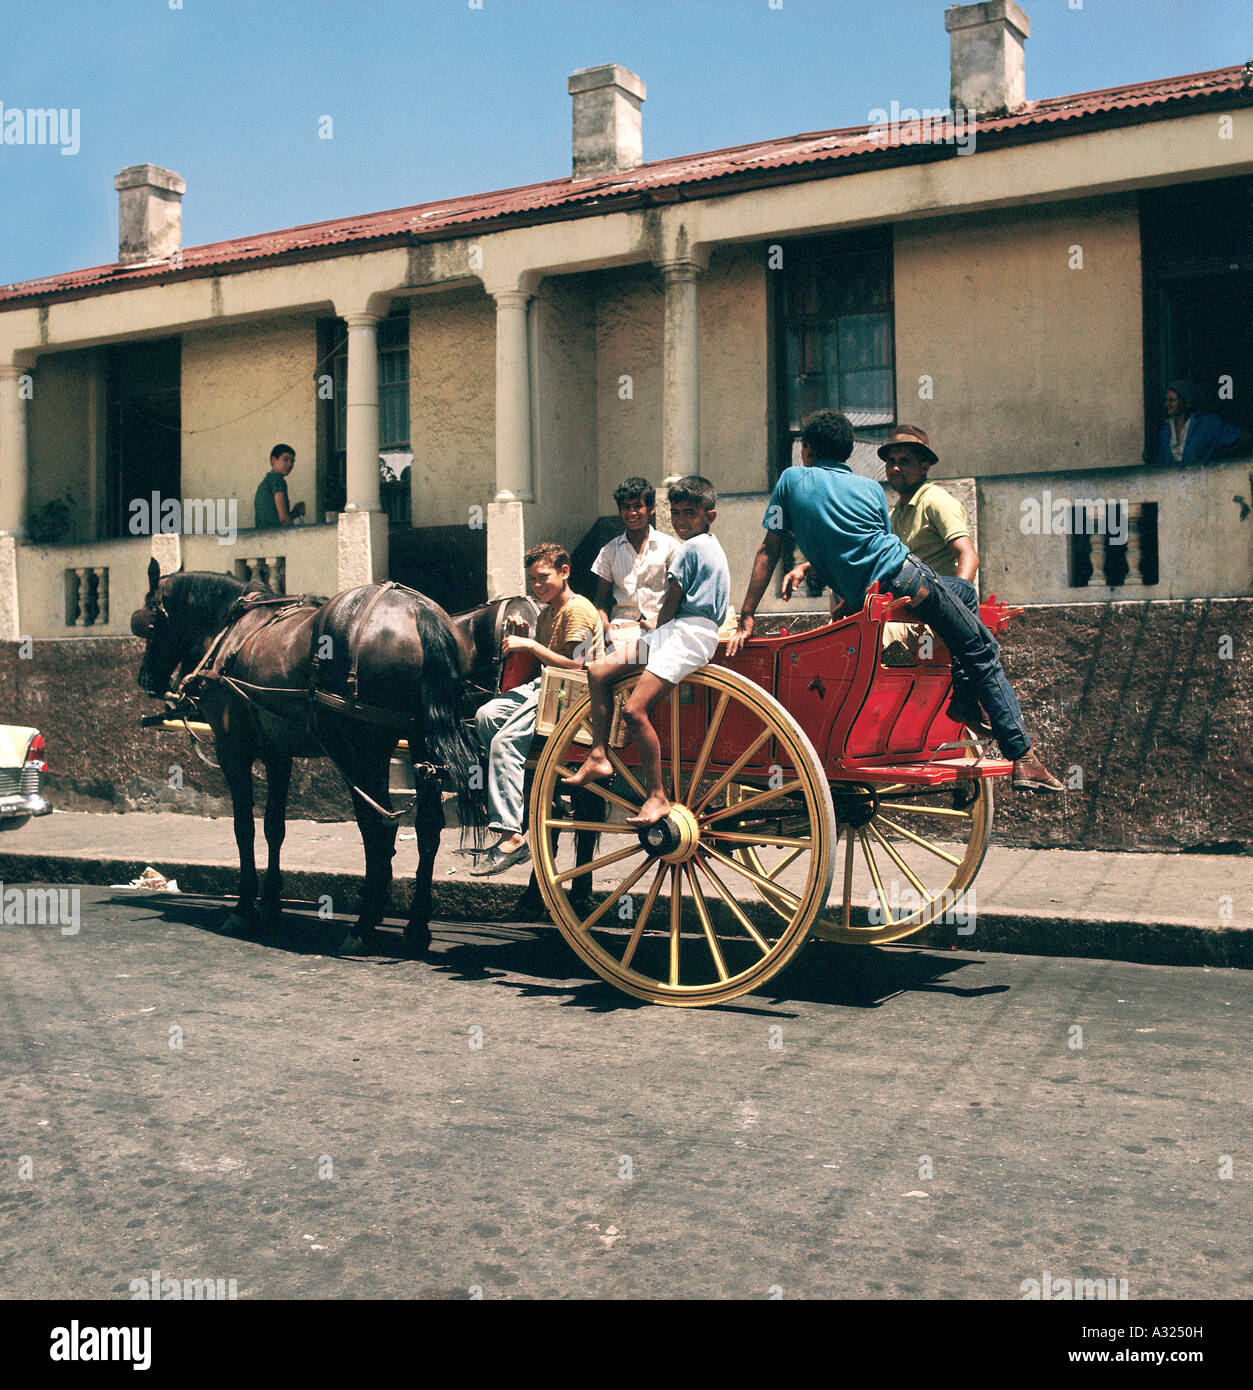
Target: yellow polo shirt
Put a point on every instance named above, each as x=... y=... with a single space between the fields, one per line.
x=927 y=522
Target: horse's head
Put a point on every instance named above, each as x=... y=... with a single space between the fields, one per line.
x=483 y=629
x=180 y=614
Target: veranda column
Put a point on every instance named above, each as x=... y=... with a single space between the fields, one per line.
x=14 y=470
x=513 y=398
x=506 y=535
x=680 y=417
x=362 y=410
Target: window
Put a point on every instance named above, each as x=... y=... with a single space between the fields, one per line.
x=837 y=339
x=1197 y=253
x=393 y=352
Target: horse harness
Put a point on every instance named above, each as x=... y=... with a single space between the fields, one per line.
x=213 y=665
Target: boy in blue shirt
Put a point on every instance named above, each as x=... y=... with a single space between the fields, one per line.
x=685 y=639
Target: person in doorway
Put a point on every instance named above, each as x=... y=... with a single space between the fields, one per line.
x=1192 y=435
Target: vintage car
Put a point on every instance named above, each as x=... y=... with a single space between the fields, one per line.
x=22 y=771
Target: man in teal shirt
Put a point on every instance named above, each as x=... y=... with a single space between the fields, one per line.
x=270 y=504
x=840 y=521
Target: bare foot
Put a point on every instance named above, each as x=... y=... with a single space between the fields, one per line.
x=593 y=770
x=656 y=808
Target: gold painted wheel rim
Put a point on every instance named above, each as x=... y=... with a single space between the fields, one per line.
x=674 y=932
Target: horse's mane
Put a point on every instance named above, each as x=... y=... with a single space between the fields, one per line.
x=205 y=593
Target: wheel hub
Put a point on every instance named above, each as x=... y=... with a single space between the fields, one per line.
x=673 y=838
x=855 y=806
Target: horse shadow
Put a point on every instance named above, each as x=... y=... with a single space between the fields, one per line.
x=534 y=960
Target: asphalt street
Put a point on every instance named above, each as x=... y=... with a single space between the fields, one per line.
x=497 y=1122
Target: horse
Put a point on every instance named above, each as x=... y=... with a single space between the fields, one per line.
x=344 y=678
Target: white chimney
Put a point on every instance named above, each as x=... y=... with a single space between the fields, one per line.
x=987 y=68
x=149 y=213
x=608 y=128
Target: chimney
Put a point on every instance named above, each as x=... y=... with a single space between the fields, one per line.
x=150 y=213
x=608 y=133
x=987 y=69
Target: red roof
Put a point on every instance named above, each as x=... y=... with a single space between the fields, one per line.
x=664 y=180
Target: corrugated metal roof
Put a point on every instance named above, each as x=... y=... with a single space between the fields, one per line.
x=567 y=197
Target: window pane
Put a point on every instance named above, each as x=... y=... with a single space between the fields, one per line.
x=866 y=397
x=865 y=342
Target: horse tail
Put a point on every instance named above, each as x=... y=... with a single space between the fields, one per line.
x=448 y=739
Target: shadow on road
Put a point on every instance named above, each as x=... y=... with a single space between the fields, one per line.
x=857 y=977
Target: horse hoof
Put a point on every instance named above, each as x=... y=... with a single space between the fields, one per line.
x=357 y=943
x=417 y=940
x=241 y=925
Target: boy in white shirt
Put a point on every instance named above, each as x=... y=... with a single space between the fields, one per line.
x=633 y=565
x=686 y=638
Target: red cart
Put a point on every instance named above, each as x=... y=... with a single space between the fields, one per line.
x=804 y=761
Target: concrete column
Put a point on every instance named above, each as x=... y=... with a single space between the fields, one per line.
x=14 y=468
x=680 y=408
x=513 y=397
x=363 y=412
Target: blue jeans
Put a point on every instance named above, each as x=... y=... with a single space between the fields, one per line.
x=506 y=726
x=951 y=609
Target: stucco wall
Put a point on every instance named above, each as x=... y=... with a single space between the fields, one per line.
x=628 y=343
x=452 y=405
x=1034 y=365
x=734 y=373
x=246 y=387
x=65 y=436
x=564 y=441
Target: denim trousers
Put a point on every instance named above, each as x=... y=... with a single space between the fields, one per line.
x=506 y=727
x=951 y=610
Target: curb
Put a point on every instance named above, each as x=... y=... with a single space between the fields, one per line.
x=1025 y=933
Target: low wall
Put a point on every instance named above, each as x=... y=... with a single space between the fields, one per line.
x=1147 y=705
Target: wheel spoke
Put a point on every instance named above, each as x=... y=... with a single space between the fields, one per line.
x=601 y=827
x=638 y=931
x=749 y=802
x=848 y=877
x=758 y=880
x=603 y=792
x=918 y=840
x=741 y=837
x=676 y=917
x=742 y=761
x=703 y=913
x=736 y=910
x=901 y=864
x=925 y=810
x=602 y=863
x=698 y=771
x=625 y=886
x=874 y=874
x=626 y=774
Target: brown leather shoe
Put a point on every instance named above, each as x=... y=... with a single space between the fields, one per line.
x=1030 y=775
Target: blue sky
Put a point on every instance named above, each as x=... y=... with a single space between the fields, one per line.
x=432 y=98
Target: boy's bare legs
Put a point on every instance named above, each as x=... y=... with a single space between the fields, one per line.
x=649 y=689
x=600 y=678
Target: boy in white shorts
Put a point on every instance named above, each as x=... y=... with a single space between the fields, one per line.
x=686 y=638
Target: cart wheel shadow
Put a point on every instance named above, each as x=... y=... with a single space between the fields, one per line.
x=534 y=960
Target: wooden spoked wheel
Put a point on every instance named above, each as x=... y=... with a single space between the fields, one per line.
x=685 y=919
x=906 y=858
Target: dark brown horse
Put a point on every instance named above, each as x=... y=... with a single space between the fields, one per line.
x=342 y=678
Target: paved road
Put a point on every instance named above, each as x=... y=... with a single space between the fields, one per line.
x=331 y=1128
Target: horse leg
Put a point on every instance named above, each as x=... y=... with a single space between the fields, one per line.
x=278 y=769
x=428 y=823
x=365 y=763
x=236 y=765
